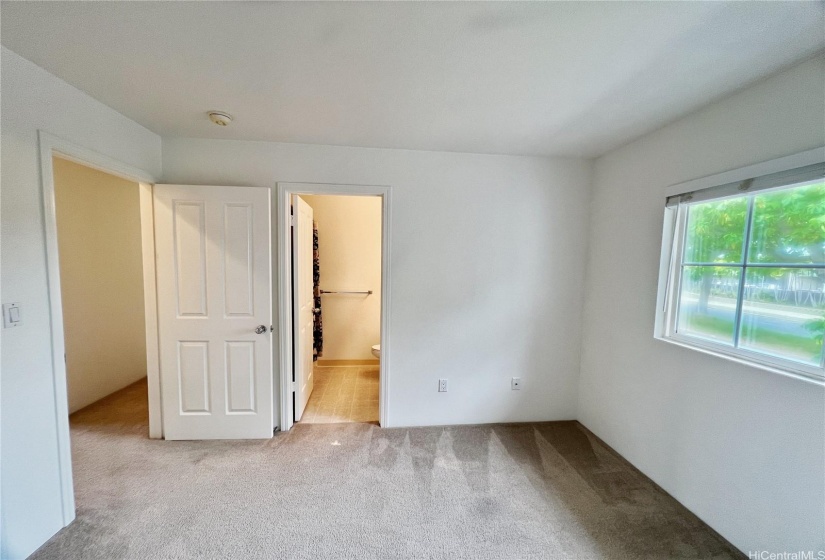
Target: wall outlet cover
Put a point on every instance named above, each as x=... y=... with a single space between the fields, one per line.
x=11 y=315
x=515 y=384
x=442 y=385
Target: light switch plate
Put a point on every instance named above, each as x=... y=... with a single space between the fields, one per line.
x=12 y=316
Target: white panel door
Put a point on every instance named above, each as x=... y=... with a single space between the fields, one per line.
x=303 y=302
x=214 y=311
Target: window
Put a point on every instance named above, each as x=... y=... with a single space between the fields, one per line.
x=743 y=271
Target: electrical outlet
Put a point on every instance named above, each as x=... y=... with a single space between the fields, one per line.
x=515 y=384
x=442 y=385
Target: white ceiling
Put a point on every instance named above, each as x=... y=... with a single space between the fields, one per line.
x=560 y=78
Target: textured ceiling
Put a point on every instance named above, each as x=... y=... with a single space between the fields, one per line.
x=549 y=78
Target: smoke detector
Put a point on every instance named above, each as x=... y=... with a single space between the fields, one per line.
x=220 y=118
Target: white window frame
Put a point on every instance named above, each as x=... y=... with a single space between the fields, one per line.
x=670 y=265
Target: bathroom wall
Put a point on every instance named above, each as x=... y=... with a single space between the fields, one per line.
x=101 y=277
x=349 y=242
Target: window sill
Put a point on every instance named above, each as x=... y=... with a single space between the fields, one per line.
x=713 y=350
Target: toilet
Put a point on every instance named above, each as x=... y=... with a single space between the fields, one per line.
x=376 y=350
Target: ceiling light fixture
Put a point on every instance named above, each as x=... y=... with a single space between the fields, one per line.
x=220 y=118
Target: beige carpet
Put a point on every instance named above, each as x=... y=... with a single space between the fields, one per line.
x=356 y=491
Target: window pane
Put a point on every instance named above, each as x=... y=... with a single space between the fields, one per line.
x=789 y=226
x=783 y=313
x=707 y=302
x=715 y=231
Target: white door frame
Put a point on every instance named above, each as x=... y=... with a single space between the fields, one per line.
x=53 y=146
x=284 y=299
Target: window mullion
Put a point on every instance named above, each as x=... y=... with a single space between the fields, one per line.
x=746 y=240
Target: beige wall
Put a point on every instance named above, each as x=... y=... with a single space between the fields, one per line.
x=98 y=224
x=349 y=242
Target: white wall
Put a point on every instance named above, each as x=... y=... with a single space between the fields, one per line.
x=32 y=99
x=740 y=447
x=487 y=267
x=349 y=247
x=101 y=281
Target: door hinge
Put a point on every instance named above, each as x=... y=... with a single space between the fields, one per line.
x=292 y=221
x=294 y=386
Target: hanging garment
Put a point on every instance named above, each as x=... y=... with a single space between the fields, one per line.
x=318 y=327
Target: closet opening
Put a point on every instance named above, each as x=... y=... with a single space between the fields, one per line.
x=333 y=271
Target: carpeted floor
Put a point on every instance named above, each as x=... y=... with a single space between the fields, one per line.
x=357 y=491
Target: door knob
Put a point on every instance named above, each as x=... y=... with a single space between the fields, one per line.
x=260 y=329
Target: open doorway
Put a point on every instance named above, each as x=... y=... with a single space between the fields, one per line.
x=340 y=373
x=101 y=282
x=338 y=343
x=103 y=319
x=103 y=267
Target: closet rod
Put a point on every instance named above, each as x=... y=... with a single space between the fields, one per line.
x=368 y=292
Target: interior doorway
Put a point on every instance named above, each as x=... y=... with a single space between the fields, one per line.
x=101 y=281
x=336 y=255
x=335 y=371
x=105 y=210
